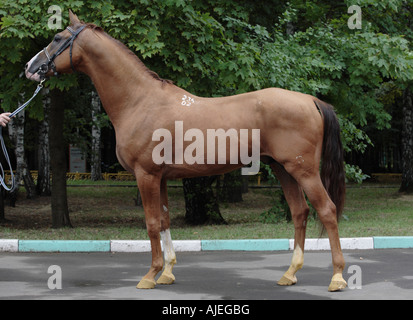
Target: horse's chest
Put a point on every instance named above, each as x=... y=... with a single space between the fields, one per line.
x=124 y=158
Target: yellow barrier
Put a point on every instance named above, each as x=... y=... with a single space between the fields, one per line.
x=387 y=177
x=73 y=176
x=119 y=176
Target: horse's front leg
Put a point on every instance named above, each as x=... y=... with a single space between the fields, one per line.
x=149 y=187
x=167 y=276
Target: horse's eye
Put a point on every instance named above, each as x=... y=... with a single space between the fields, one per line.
x=57 y=38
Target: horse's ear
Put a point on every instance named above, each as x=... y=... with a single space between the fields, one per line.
x=73 y=18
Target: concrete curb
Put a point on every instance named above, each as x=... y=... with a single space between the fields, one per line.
x=14 y=245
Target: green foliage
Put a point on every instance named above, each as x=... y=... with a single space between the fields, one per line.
x=215 y=48
x=352 y=137
x=279 y=211
x=354 y=174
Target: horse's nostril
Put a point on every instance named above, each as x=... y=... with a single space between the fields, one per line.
x=26 y=66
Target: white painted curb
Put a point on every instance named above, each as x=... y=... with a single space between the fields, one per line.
x=346 y=244
x=145 y=245
x=363 y=243
x=9 y=245
x=130 y=246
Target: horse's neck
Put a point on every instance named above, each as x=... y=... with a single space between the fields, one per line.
x=118 y=78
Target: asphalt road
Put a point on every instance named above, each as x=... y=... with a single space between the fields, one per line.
x=216 y=275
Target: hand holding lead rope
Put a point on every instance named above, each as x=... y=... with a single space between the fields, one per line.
x=4 y=119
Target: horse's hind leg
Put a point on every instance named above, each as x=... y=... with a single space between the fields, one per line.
x=149 y=187
x=299 y=212
x=318 y=196
x=169 y=253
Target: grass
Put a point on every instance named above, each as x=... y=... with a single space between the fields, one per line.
x=102 y=212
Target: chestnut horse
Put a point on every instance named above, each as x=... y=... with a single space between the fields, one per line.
x=296 y=132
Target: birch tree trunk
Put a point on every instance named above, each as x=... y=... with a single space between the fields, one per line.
x=96 y=160
x=407 y=143
x=16 y=131
x=2 y=216
x=43 y=178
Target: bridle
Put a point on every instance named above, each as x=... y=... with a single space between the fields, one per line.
x=45 y=67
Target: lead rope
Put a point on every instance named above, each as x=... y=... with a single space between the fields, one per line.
x=3 y=145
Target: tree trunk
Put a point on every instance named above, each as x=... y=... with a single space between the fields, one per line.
x=2 y=216
x=16 y=130
x=96 y=168
x=58 y=146
x=200 y=202
x=43 y=177
x=407 y=143
x=232 y=187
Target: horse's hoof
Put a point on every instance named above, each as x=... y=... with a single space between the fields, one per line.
x=287 y=281
x=166 y=279
x=337 y=283
x=146 y=284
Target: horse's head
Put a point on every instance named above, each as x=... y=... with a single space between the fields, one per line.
x=59 y=55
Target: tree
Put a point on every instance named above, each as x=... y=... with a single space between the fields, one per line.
x=43 y=175
x=215 y=48
x=96 y=170
x=60 y=210
x=232 y=187
x=407 y=143
x=2 y=215
x=201 y=204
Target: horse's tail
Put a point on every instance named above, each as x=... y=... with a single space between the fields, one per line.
x=332 y=167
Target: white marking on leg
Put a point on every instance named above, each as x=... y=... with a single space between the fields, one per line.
x=168 y=248
x=297 y=262
x=298 y=259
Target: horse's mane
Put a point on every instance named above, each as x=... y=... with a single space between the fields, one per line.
x=153 y=74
